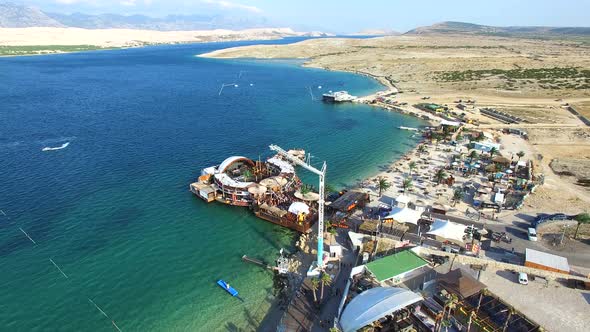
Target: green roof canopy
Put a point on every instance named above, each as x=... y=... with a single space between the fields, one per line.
x=396 y=264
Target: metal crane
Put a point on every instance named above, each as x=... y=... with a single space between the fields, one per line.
x=322 y=174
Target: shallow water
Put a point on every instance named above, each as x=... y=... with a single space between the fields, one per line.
x=113 y=209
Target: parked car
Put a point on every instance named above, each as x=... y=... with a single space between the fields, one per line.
x=439 y=260
x=532 y=234
x=501 y=236
x=547 y=217
x=523 y=278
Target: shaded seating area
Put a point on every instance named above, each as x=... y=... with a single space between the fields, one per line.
x=489 y=312
x=461 y=283
x=349 y=201
x=375 y=304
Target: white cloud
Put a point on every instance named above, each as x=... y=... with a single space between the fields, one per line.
x=67 y=2
x=128 y=2
x=232 y=5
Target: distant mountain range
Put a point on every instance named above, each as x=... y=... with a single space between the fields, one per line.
x=14 y=15
x=513 y=31
x=20 y=16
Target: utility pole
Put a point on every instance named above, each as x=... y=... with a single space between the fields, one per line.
x=322 y=175
x=563 y=234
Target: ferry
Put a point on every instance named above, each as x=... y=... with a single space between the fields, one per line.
x=338 y=97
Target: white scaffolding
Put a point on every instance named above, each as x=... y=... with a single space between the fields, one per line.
x=322 y=174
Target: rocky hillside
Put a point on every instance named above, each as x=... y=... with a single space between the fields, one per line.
x=14 y=15
x=19 y=16
x=514 y=31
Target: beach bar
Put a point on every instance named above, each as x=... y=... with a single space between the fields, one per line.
x=271 y=189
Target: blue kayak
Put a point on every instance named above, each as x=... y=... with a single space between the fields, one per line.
x=227 y=287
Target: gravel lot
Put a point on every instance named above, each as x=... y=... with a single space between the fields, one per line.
x=553 y=306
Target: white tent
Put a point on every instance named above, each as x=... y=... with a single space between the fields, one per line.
x=405 y=215
x=356 y=239
x=448 y=230
x=373 y=304
x=450 y=123
x=403 y=200
x=299 y=207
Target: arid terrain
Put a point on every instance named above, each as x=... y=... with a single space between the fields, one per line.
x=529 y=78
x=39 y=40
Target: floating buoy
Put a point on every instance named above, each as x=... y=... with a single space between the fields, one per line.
x=319 y=86
x=251 y=84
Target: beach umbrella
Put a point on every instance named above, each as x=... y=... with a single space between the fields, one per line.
x=310 y=196
x=273 y=182
x=455 y=163
x=257 y=189
x=299 y=207
x=509 y=171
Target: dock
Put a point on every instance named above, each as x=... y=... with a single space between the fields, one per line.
x=258 y=262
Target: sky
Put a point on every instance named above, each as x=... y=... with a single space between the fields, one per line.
x=349 y=16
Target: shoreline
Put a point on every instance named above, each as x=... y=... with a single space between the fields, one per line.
x=275 y=313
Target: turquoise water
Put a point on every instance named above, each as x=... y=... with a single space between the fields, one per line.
x=113 y=209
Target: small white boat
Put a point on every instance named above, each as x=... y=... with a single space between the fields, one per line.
x=408 y=128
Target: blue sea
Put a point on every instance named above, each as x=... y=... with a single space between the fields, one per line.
x=112 y=209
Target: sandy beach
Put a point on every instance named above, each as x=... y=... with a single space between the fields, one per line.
x=131 y=37
x=412 y=67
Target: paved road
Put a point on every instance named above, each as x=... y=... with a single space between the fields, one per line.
x=333 y=294
x=517 y=230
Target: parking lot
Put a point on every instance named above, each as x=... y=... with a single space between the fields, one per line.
x=553 y=306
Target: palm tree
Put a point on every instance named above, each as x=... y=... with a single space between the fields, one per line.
x=412 y=166
x=472 y=315
x=422 y=149
x=304 y=190
x=383 y=185
x=407 y=184
x=247 y=174
x=511 y=312
x=582 y=218
x=452 y=304
x=458 y=195
x=440 y=175
x=315 y=285
x=437 y=321
x=492 y=152
x=484 y=292
x=520 y=154
x=472 y=155
x=326 y=281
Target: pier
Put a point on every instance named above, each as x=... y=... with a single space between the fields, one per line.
x=258 y=262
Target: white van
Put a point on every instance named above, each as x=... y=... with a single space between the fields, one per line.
x=523 y=278
x=532 y=233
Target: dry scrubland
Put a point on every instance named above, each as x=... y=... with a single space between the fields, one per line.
x=531 y=79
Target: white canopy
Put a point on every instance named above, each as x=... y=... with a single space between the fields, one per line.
x=356 y=238
x=225 y=180
x=299 y=207
x=227 y=162
x=374 y=304
x=405 y=215
x=283 y=165
x=450 y=123
x=404 y=199
x=448 y=230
